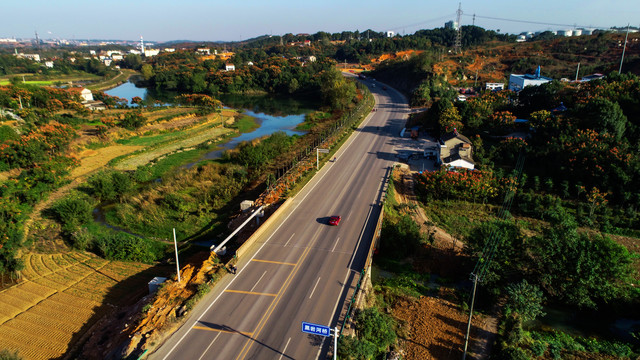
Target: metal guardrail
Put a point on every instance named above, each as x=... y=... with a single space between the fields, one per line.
x=374 y=243
x=306 y=154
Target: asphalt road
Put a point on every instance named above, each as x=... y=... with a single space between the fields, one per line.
x=302 y=269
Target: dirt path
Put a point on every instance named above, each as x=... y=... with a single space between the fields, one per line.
x=90 y=162
x=405 y=195
x=436 y=326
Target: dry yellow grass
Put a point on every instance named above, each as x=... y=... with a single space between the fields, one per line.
x=92 y=160
x=146 y=157
x=60 y=294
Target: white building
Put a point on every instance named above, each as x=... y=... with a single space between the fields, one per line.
x=494 y=86
x=34 y=57
x=456 y=151
x=151 y=52
x=518 y=82
x=391 y=34
x=229 y=67
x=48 y=64
x=84 y=93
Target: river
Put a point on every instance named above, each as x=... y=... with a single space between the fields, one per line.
x=272 y=114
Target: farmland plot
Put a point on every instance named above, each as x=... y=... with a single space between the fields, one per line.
x=59 y=297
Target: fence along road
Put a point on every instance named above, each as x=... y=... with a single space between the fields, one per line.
x=302 y=269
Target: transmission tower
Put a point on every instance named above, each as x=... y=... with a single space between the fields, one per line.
x=458 y=44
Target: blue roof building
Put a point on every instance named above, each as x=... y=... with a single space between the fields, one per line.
x=518 y=82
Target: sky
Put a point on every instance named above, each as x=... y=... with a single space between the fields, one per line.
x=235 y=20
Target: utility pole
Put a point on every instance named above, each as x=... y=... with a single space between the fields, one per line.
x=176 y=245
x=577 y=71
x=475 y=81
x=474 y=19
x=623 y=49
x=458 y=43
x=473 y=298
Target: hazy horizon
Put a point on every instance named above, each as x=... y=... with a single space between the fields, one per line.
x=195 y=20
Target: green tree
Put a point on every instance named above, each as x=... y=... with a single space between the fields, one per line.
x=133 y=121
x=605 y=116
x=8 y=355
x=73 y=211
x=525 y=300
x=375 y=333
x=337 y=92
x=578 y=268
x=147 y=71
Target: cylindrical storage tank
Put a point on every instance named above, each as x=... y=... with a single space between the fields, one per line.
x=587 y=31
x=577 y=32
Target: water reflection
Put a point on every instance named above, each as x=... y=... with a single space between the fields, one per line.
x=268 y=124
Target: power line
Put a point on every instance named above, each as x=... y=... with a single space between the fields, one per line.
x=533 y=22
x=491 y=245
x=449 y=16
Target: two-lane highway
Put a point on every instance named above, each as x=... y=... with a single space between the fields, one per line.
x=302 y=269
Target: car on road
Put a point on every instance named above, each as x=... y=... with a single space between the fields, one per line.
x=335 y=220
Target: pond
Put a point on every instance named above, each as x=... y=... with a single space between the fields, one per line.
x=128 y=91
x=271 y=113
x=268 y=124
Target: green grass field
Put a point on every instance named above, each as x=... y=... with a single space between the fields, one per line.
x=32 y=82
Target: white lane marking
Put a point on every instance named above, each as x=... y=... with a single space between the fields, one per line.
x=314 y=288
x=348 y=216
x=207 y=349
x=287 y=243
x=336 y=244
x=229 y=284
x=254 y=286
x=285 y=349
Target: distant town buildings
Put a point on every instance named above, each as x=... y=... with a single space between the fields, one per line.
x=34 y=57
x=229 y=67
x=151 y=52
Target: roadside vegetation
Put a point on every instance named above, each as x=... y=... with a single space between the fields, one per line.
x=109 y=186
x=123 y=208
x=570 y=238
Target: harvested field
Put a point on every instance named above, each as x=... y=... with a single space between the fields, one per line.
x=59 y=297
x=132 y=162
x=92 y=160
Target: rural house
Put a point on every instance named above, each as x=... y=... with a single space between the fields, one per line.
x=456 y=151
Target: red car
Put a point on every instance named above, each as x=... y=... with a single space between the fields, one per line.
x=335 y=220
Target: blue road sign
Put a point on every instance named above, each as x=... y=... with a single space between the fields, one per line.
x=316 y=329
